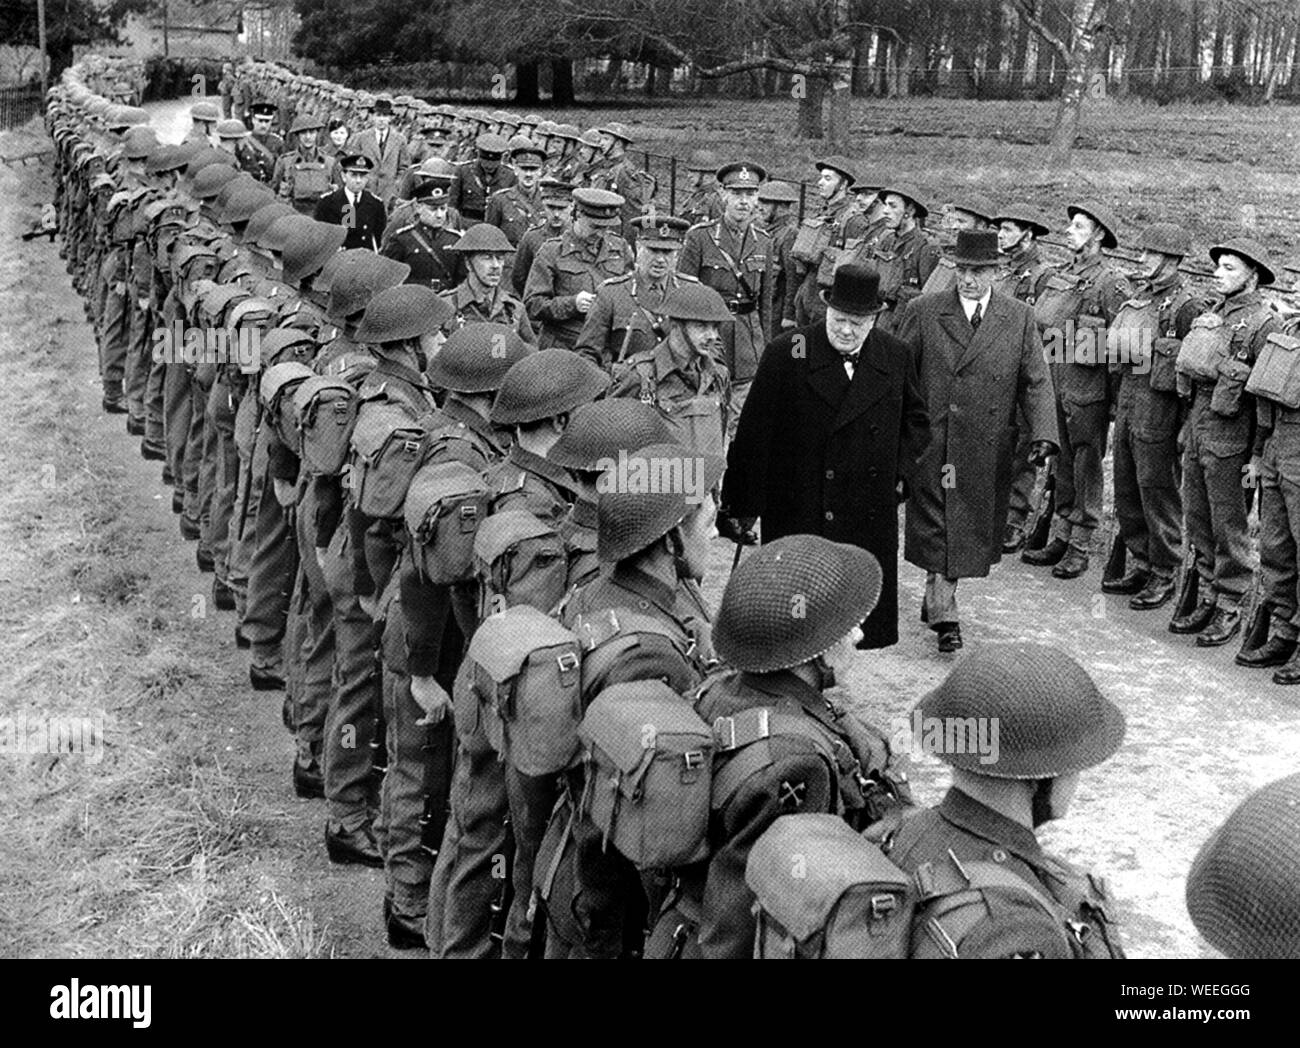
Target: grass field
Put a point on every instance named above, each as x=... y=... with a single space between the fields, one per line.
x=1218 y=170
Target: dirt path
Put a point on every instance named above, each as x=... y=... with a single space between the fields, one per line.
x=187 y=840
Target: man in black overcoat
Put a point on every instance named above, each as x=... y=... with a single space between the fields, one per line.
x=828 y=439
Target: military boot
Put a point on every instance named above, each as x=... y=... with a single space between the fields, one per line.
x=1047 y=556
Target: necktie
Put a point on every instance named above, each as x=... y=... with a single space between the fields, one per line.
x=975 y=318
x=851 y=363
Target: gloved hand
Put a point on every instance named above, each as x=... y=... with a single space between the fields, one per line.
x=432 y=698
x=1041 y=451
x=739 y=530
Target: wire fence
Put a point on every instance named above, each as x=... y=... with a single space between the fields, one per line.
x=18 y=104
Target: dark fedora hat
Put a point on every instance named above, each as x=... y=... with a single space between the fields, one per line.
x=975 y=247
x=856 y=290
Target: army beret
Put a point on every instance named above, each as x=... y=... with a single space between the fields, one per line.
x=404 y=312
x=1167 y=238
x=1102 y=216
x=833 y=585
x=309 y=247
x=231 y=129
x=976 y=204
x=263 y=218
x=599 y=205
x=840 y=165
x=1252 y=251
x=306 y=122
x=476 y=357
x=358 y=276
x=909 y=193
x=492 y=145
x=742 y=174
x=547 y=383
x=482 y=237
x=629 y=518
x=1051 y=717
x=776 y=192
x=1025 y=215
x=603 y=428
x=661 y=230
x=205 y=111
x=1243 y=890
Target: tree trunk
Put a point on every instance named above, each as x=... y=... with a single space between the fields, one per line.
x=994 y=85
x=527 y=83
x=808 y=118
x=562 y=81
x=1077 y=65
x=880 y=85
x=1020 y=58
x=839 y=113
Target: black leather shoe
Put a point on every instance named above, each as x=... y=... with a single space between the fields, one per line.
x=190 y=531
x=114 y=405
x=136 y=429
x=308 y=782
x=286 y=714
x=1130 y=582
x=204 y=560
x=949 y=636
x=241 y=641
x=357 y=847
x=925 y=612
x=1225 y=625
x=1155 y=594
x=1013 y=539
x=178 y=502
x=404 y=934
x=1273 y=652
x=1195 y=620
x=265 y=680
x=1072 y=565
x=222 y=596
x=167 y=478
x=1047 y=556
x=153 y=452
x=1290 y=673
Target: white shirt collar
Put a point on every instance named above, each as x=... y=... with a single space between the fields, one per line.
x=983 y=303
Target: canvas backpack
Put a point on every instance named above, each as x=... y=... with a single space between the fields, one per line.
x=648 y=758
x=445 y=504
x=326 y=410
x=824 y=891
x=279 y=384
x=519 y=559
x=387 y=443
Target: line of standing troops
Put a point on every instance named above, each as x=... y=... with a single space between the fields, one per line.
x=359 y=631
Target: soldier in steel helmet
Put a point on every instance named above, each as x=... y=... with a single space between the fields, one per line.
x=680 y=375
x=785 y=630
x=1039 y=721
x=483 y=295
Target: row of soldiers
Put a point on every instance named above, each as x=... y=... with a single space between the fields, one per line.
x=413 y=514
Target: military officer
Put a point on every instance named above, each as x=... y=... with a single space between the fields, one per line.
x=734 y=257
x=517 y=208
x=1074 y=311
x=904 y=255
x=478 y=179
x=432 y=171
x=1053 y=722
x=353 y=205
x=261 y=148
x=561 y=286
x=482 y=296
x=1220 y=435
x=680 y=375
x=1147 y=470
x=557 y=214
x=426 y=243
x=619 y=175
x=307 y=174
x=627 y=316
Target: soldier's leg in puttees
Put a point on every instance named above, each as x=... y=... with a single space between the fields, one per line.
x=1159 y=477
x=317 y=652
x=480 y=857
x=1089 y=476
x=1129 y=511
x=1065 y=475
x=226 y=479
x=154 y=399
x=350 y=718
x=196 y=511
x=176 y=419
x=271 y=571
x=1232 y=564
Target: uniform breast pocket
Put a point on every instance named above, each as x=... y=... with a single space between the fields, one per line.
x=718 y=278
x=572 y=276
x=1230 y=387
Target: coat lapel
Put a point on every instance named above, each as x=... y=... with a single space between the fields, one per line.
x=870 y=382
x=826 y=375
x=952 y=318
x=992 y=329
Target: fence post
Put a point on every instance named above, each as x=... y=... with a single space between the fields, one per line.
x=803 y=193
x=672 y=185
